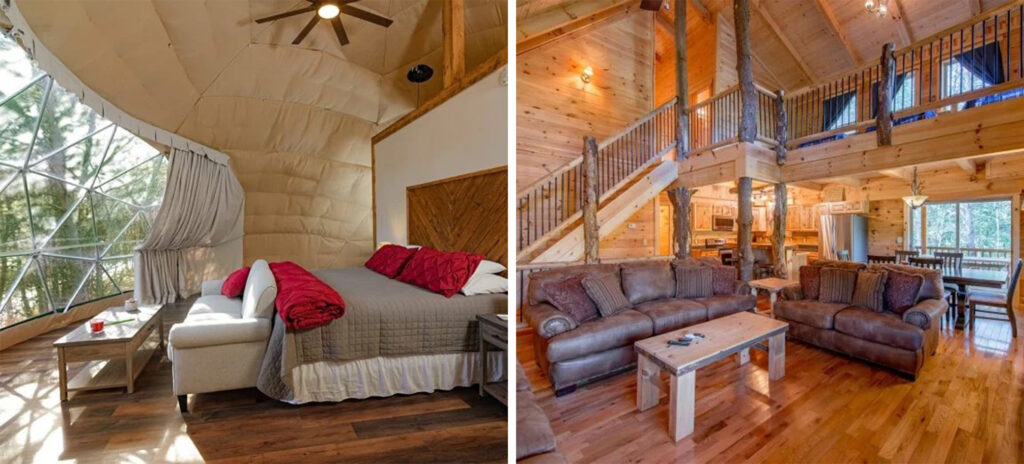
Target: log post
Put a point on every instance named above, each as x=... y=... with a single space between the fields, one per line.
x=682 y=87
x=745 y=229
x=745 y=71
x=885 y=91
x=781 y=127
x=591 y=239
x=680 y=198
x=779 y=231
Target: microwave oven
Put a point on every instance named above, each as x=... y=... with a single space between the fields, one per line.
x=723 y=223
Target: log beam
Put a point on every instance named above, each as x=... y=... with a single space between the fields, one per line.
x=779 y=231
x=744 y=229
x=781 y=127
x=680 y=198
x=591 y=237
x=885 y=91
x=901 y=23
x=682 y=89
x=616 y=10
x=745 y=71
x=454 y=28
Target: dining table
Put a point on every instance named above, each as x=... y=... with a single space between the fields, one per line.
x=964 y=277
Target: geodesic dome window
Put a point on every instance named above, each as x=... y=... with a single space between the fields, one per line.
x=77 y=194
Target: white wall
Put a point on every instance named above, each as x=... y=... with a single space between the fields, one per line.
x=467 y=133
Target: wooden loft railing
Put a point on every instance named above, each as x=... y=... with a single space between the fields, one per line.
x=555 y=201
x=924 y=81
x=715 y=122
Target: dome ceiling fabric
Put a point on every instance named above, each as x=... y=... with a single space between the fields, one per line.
x=296 y=120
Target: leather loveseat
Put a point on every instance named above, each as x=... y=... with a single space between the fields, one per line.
x=898 y=338
x=535 y=441
x=574 y=353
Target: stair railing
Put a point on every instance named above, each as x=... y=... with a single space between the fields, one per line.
x=556 y=200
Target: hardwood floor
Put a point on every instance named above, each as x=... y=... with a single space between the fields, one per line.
x=236 y=426
x=966 y=406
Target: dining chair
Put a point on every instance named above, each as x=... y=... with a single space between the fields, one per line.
x=1004 y=301
x=952 y=263
x=903 y=255
x=930 y=263
x=880 y=259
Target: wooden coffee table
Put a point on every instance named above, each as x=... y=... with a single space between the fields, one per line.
x=735 y=333
x=114 y=357
x=772 y=285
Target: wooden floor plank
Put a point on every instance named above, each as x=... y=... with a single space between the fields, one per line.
x=237 y=426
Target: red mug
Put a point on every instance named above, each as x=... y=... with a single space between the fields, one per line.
x=96 y=325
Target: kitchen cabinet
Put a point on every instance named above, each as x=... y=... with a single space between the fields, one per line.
x=702 y=213
x=760 y=219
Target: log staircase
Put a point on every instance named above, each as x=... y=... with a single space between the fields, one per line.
x=632 y=168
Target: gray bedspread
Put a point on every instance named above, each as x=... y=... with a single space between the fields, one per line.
x=383 y=317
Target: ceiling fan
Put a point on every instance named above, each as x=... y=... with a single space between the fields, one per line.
x=330 y=10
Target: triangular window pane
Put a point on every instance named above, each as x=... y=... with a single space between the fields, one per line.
x=77 y=234
x=79 y=162
x=18 y=117
x=50 y=200
x=132 y=237
x=15 y=229
x=17 y=70
x=142 y=186
x=122 y=271
x=63 y=277
x=28 y=299
x=97 y=286
x=64 y=121
x=126 y=152
x=111 y=217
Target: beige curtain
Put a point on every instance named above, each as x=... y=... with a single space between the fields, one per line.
x=197 y=234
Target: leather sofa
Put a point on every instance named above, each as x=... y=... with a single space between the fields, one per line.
x=535 y=441
x=902 y=342
x=220 y=344
x=575 y=353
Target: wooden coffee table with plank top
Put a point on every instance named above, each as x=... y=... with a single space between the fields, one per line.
x=114 y=357
x=724 y=336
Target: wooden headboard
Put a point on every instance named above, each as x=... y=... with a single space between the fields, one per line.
x=462 y=213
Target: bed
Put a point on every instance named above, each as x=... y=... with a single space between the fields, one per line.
x=396 y=338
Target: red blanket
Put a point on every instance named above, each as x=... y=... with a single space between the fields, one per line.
x=304 y=301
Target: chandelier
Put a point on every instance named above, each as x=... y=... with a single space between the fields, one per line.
x=878 y=8
x=915 y=199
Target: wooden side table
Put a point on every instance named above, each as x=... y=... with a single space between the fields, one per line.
x=114 y=357
x=493 y=333
x=772 y=285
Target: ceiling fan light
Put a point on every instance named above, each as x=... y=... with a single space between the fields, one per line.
x=329 y=10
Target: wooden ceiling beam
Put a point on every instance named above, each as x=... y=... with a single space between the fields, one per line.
x=895 y=174
x=759 y=8
x=565 y=29
x=837 y=28
x=901 y=23
x=968 y=165
x=454 y=26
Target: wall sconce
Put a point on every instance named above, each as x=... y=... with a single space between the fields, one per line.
x=587 y=75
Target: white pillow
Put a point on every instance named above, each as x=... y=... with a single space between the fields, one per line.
x=482 y=284
x=488 y=267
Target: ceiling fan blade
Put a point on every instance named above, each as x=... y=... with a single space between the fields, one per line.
x=305 y=30
x=286 y=14
x=339 y=30
x=366 y=15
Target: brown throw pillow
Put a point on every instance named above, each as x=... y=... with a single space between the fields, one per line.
x=837 y=285
x=648 y=281
x=869 y=293
x=810 y=281
x=901 y=291
x=606 y=292
x=694 y=282
x=569 y=296
x=724 y=279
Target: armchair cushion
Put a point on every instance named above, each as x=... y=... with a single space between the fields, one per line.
x=648 y=281
x=548 y=321
x=217 y=329
x=603 y=333
x=260 y=291
x=926 y=313
x=211 y=287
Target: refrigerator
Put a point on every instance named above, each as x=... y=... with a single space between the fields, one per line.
x=847 y=232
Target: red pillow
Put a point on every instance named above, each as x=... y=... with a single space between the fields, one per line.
x=440 y=272
x=901 y=289
x=235 y=283
x=389 y=260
